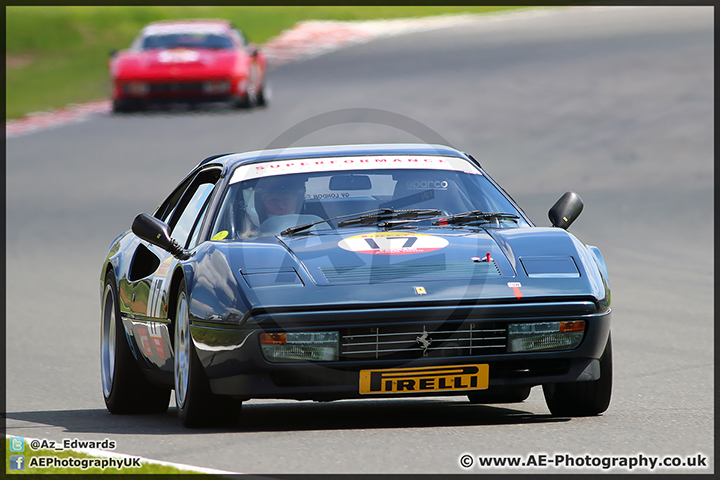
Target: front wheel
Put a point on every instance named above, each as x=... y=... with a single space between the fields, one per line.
x=249 y=100
x=197 y=405
x=125 y=388
x=263 y=96
x=583 y=399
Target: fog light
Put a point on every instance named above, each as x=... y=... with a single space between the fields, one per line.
x=294 y=346
x=136 y=88
x=216 y=87
x=546 y=336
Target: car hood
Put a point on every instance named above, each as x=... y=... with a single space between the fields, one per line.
x=367 y=266
x=368 y=257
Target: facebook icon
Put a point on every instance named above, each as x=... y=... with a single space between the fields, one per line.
x=17 y=462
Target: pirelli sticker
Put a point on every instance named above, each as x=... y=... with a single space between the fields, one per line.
x=424 y=379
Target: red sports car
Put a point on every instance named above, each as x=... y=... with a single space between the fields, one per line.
x=188 y=61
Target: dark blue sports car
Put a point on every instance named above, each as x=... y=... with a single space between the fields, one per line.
x=360 y=271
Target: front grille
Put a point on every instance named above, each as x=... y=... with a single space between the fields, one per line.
x=449 y=339
x=176 y=88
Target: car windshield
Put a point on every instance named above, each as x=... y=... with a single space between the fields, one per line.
x=186 y=40
x=275 y=198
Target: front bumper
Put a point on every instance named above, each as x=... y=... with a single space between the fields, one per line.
x=235 y=365
x=179 y=90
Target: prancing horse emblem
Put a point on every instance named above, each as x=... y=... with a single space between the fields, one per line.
x=424 y=341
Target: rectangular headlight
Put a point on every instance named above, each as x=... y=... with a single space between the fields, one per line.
x=216 y=87
x=545 y=336
x=295 y=346
x=136 y=88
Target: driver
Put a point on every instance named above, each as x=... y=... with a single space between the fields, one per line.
x=272 y=197
x=279 y=203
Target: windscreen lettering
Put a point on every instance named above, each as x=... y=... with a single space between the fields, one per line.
x=249 y=172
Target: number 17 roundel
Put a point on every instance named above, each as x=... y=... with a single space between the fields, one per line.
x=392 y=243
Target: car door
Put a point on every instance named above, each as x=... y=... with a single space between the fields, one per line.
x=151 y=267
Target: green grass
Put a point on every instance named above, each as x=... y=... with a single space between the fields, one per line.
x=145 y=468
x=58 y=56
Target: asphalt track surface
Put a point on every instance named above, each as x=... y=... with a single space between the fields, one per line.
x=613 y=103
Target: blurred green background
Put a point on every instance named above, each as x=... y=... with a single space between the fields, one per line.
x=58 y=55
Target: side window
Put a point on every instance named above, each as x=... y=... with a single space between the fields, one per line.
x=196 y=228
x=187 y=218
x=192 y=205
x=166 y=209
x=198 y=223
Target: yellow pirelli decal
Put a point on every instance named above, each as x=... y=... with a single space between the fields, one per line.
x=425 y=379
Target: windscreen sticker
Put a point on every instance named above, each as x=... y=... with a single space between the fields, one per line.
x=178 y=56
x=310 y=165
x=426 y=184
x=185 y=28
x=325 y=196
x=393 y=243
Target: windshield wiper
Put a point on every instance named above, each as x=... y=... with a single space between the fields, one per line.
x=381 y=217
x=475 y=216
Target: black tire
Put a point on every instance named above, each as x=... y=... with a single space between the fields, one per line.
x=246 y=102
x=500 y=394
x=125 y=388
x=263 y=96
x=197 y=405
x=583 y=399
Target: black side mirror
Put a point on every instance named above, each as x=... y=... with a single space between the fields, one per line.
x=566 y=210
x=156 y=232
x=113 y=52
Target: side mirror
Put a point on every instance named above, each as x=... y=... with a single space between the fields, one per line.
x=253 y=50
x=114 y=52
x=156 y=232
x=566 y=210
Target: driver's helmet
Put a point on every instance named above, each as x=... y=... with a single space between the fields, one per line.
x=278 y=195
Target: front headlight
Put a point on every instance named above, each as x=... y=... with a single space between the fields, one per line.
x=294 y=346
x=545 y=336
x=217 y=87
x=136 y=88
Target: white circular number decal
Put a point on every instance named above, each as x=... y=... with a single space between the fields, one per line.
x=392 y=243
